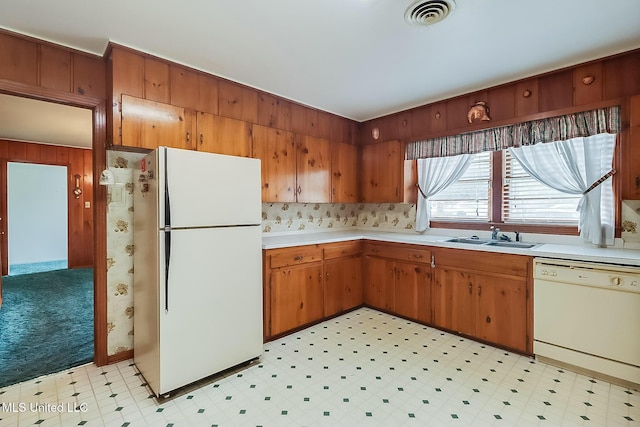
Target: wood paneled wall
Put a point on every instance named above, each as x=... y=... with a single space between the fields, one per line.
x=613 y=81
x=80 y=218
x=41 y=70
x=45 y=65
x=134 y=73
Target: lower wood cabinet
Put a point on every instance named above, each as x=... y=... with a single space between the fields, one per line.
x=342 y=285
x=296 y=296
x=306 y=284
x=485 y=296
x=395 y=284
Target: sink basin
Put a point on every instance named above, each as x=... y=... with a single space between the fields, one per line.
x=469 y=241
x=512 y=244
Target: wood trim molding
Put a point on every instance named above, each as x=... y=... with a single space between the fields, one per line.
x=99 y=198
x=522 y=119
x=119 y=357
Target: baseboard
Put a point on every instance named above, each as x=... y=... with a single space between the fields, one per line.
x=119 y=357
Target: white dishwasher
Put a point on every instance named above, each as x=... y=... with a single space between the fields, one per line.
x=587 y=315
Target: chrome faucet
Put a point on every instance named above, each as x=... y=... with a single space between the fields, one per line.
x=494 y=232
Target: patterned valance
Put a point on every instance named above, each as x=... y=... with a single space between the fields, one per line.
x=586 y=123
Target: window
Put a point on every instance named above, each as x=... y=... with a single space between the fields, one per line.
x=526 y=200
x=468 y=198
x=522 y=199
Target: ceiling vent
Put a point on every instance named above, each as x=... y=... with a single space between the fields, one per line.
x=429 y=12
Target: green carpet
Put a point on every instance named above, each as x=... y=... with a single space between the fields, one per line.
x=46 y=323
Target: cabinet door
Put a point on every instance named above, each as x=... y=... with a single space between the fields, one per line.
x=344 y=178
x=276 y=149
x=500 y=314
x=342 y=285
x=382 y=172
x=413 y=291
x=406 y=289
x=379 y=279
x=149 y=124
x=453 y=300
x=314 y=170
x=296 y=297
x=223 y=136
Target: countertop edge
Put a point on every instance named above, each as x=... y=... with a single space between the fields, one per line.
x=616 y=256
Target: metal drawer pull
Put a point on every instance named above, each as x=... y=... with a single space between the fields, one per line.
x=298 y=258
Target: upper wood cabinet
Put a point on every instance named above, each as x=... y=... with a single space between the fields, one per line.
x=313 y=169
x=276 y=149
x=344 y=173
x=215 y=134
x=150 y=124
x=383 y=172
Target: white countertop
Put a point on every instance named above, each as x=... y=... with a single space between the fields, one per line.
x=578 y=252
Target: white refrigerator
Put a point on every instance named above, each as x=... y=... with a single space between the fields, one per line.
x=197 y=266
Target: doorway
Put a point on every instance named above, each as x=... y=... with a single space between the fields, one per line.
x=37 y=218
x=47 y=208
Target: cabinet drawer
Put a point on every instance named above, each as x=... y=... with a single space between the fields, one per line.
x=340 y=250
x=295 y=256
x=485 y=262
x=400 y=252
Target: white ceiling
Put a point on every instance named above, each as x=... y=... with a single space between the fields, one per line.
x=30 y=120
x=355 y=58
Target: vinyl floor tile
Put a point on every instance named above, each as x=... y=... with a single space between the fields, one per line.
x=364 y=368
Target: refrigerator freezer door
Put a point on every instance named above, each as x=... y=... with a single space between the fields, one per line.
x=211 y=311
x=209 y=189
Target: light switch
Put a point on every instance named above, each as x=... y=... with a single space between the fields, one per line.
x=87 y=205
x=117 y=194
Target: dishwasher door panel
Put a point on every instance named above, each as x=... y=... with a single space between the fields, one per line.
x=596 y=320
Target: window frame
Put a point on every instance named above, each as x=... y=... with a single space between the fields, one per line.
x=495 y=211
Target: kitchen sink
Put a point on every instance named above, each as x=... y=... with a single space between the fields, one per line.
x=469 y=240
x=489 y=242
x=512 y=245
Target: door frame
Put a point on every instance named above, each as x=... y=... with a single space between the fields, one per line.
x=99 y=158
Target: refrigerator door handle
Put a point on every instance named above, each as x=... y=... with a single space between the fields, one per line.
x=167 y=233
x=167 y=261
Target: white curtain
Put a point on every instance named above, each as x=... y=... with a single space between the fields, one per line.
x=571 y=167
x=434 y=175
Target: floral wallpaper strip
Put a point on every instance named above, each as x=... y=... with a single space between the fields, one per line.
x=120 y=252
x=283 y=217
x=387 y=216
x=631 y=221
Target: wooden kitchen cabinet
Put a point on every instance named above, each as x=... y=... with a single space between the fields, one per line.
x=306 y=284
x=344 y=173
x=216 y=134
x=484 y=296
x=296 y=297
x=297 y=168
x=342 y=277
x=383 y=172
x=379 y=283
x=398 y=279
x=295 y=288
x=313 y=174
x=277 y=152
x=150 y=124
